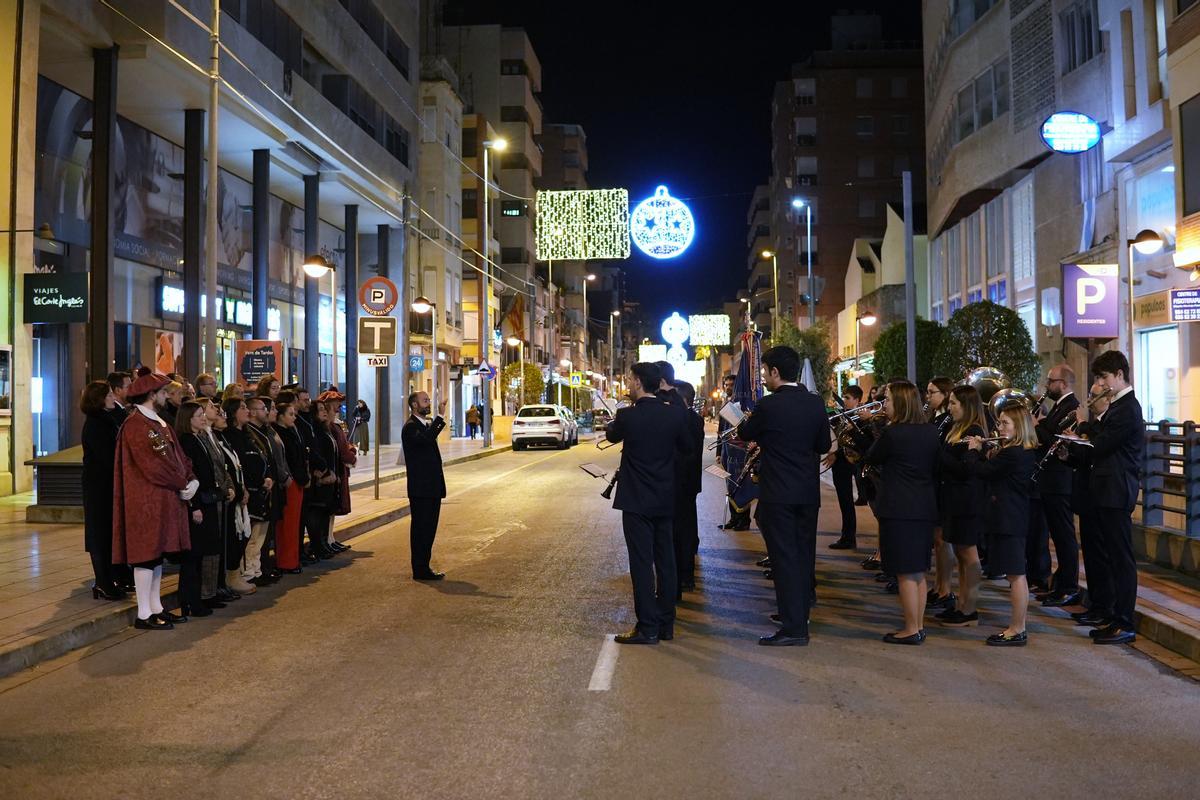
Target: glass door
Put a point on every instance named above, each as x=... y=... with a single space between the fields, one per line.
x=1157 y=373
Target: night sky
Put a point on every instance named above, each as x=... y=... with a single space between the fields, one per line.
x=669 y=94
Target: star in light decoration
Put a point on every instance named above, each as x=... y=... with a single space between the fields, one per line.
x=661 y=226
x=582 y=224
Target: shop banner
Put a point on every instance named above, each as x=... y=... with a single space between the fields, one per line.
x=1185 y=305
x=56 y=297
x=168 y=352
x=257 y=358
x=1091 y=300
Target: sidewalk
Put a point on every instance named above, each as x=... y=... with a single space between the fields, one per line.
x=46 y=606
x=454 y=451
x=1167 y=614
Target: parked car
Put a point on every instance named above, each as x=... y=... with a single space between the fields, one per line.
x=572 y=424
x=542 y=424
x=600 y=419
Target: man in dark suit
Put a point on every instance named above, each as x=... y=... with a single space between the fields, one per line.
x=426 y=482
x=118 y=384
x=654 y=435
x=684 y=526
x=1054 y=488
x=1118 y=440
x=843 y=473
x=792 y=428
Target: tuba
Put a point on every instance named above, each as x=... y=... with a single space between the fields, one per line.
x=1009 y=398
x=987 y=381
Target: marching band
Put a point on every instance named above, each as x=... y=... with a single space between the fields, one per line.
x=975 y=478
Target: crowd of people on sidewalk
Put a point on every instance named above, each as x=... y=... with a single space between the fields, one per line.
x=225 y=483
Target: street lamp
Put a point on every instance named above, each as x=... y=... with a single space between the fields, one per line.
x=423 y=305
x=565 y=364
x=1147 y=242
x=587 y=338
x=520 y=345
x=867 y=319
x=316 y=266
x=775 y=287
x=612 y=362
x=485 y=327
x=798 y=203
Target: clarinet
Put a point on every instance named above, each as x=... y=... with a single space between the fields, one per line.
x=608 y=490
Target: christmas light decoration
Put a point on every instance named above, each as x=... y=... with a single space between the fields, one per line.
x=652 y=352
x=661 y=226
x=675 y=332
x=583 y=224
x=709 y=329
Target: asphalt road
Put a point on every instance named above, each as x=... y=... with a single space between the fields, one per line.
x=353 y=681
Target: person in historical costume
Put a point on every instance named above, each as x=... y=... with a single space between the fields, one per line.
x=152 y=484
x=347 y=455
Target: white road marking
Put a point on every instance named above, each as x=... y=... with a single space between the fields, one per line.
x=606 y=665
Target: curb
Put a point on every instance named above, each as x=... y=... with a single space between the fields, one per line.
x=71 y=635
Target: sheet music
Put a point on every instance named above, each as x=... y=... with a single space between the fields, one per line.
x=731 y=412
x=715 y=469
x=595 y=470
x=1074 y=440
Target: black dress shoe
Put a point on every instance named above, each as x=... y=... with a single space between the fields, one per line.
x=154 y=623
x=666 y=634
x=842 y=544
x=860 y=502
x=893 y=587
x=196 y=611
x=429 y=576
x=309 y=558
x=777 y=618
x=870 y=563
x=1114 y=634
x=769 y=574
x=1057 y=599
x=945 y=601
x=1094 y=620
x=781 y=639
x=1000 y=640
x=107 y=592
x=763 y=562
x=213 y=602
x=226 y=594
x=296 y=571
x=1038 y=587
x=882 y=577
x=915 y=639
x=167 y=616
x=635 y=636
x=275 y=574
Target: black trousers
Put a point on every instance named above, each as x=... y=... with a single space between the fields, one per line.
x=843 y=483
x=1061 y=523
x=1116 y=535
x=1097 y=564
x=1037 y=545
x=189 y=578
x=686 y=536
x=425 y=514
x=651 y=570
x=790 y=532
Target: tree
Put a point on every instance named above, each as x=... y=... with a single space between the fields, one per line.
x=812 y=343
x=534 y=384
x=984 y=334
x=891 y=351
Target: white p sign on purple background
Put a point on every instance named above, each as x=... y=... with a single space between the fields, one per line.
x=1091 y=301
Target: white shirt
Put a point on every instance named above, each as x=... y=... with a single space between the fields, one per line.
x=1059 y=400
x=151 y=414
x=1115 y=398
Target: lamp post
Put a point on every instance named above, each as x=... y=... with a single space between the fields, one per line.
x=867 y=319
x=423 y=305
x=775 y=288
x=1147 y=242
x=485 y=326
x=587 y=337
x=568 y=365
x=520 y=345
x=798 y=203
x=316 y=266
x=612 y=362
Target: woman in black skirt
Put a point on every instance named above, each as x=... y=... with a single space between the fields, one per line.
x=962 y=504
x=906 y=455
x=1007 y=473
x=937 y=401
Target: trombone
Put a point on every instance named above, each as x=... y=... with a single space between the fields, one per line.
x=874 y=407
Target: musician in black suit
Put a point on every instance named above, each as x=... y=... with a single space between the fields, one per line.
x=654 y=435
x=426 y=482
x=1095 y=558
x=843 y=473
x=685 y=529
x=1054 y=488
x=1118 y=440
x=907 y=452
x=792 y=429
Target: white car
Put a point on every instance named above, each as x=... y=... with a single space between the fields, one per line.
x=542 y=424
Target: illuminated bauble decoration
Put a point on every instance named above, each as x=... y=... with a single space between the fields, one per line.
x=661 y=226
x=677 y=357
x=675 y=329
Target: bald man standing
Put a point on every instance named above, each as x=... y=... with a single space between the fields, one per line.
x=1054 y=487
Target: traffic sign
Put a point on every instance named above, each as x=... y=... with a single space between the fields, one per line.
x=377 y=361
x=577 y=379
x=416 y=363
x=485 y=370
x=378 y=296
x=377 y=336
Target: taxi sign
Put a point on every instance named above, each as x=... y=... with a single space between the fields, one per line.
x=378 y=296
x=377 y=361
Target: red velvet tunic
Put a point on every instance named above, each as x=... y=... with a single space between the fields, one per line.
x=348 y=458
x=149 y=518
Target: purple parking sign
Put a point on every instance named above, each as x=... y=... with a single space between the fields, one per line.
x=1091 y=301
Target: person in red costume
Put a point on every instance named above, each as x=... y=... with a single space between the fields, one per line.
x=152 y=483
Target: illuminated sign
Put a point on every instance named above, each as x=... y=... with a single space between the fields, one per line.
x=583 y=224
x=652 y=352
x=1070 y=132
x=661 y=226
x=1091 y=298
x=172 y=300
x=709 y=329
x=1185 y=305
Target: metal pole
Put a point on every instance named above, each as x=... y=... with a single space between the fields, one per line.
x=1129 y=316
x=380 y=377
x=910 y=282
x=612 y=374
x=485 y=327
x=434 y=384
x=521 y=355
x=333 y=305
x=812 y=302
x=775 y=284
x=210 y=215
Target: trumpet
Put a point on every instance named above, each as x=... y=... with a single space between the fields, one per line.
x=873 y=407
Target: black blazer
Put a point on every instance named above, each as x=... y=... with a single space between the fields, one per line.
x=962 y=493
x=296 y=453
x=422 y=459
x=99 y=439
x=1118 y=449
x=1007 y=487
x=908 y=457
x=655 y=434
x=1056 y=475
x=792 y=428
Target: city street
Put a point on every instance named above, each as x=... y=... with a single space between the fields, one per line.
x=353 y=681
